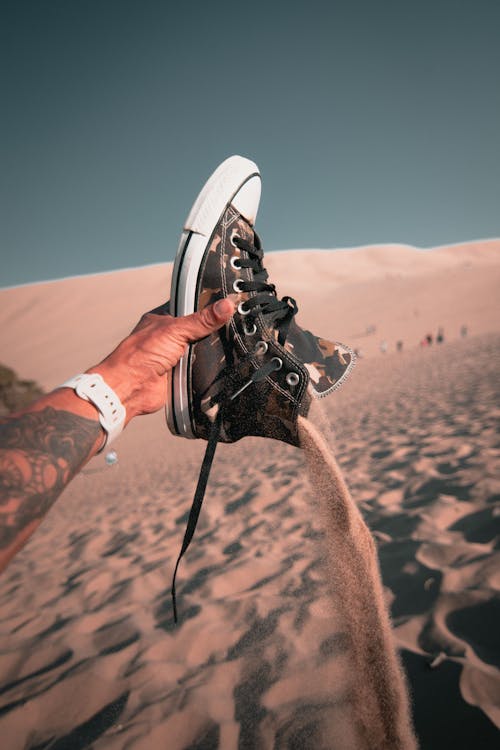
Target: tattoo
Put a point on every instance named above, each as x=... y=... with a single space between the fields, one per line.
x=40 y=453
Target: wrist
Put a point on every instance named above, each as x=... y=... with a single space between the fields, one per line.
x=92 y=387
x=119 y=380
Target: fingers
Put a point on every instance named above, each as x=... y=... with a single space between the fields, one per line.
x=161 y=310
x=210 y=319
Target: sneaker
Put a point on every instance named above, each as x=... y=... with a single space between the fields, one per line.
x=261 y=370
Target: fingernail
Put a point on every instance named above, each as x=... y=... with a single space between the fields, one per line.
x=223 y=307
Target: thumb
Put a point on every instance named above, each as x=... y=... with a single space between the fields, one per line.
x=211 y=318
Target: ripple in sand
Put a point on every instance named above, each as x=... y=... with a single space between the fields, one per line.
x=481 y=688
x=39 y=664
x=392 y=499
x=481 y=526
x=89 y=731
x=446 y=554
x=410 y=591
x=476 y=626
x=396 y=525
x=442 y=718
x=113 y=637
x=420 y=492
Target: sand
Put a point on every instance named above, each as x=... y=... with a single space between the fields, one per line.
x=378 y=691
x=55 y=328
x=89 y=653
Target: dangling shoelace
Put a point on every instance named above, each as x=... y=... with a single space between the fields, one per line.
x=278 y=314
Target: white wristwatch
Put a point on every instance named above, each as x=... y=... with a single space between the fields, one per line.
x=91 y=387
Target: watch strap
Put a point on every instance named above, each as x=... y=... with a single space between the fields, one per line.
x=93 y=388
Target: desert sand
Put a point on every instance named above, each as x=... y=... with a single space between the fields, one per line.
x=90 y=657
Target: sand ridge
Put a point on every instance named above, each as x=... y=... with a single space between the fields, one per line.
x=401 y=292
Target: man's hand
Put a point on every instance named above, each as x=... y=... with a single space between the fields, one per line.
x=136 y=369
x=45 y=445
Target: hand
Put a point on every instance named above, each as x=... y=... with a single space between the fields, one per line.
x=136 y=370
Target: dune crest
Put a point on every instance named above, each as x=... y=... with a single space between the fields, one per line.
x=396 y=291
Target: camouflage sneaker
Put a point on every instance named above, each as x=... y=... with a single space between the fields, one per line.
x=261 y=370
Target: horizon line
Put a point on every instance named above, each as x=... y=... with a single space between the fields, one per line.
x=268 y=252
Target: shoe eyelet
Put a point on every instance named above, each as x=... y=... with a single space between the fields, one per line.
x=292 y=379
x=233 y=236
x=237 y=285
x=235 y=263
x=279 y=362
x=249 y=331
x=242 y=311
x=261 y=347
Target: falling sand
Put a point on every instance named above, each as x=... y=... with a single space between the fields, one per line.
x=379 y=695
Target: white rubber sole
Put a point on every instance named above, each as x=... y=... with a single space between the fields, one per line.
x=236 y=181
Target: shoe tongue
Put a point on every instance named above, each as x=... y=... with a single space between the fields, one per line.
x=328 y=363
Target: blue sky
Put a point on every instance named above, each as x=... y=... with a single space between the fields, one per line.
x=370 y=121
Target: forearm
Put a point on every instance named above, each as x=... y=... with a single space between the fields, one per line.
x=42 y=448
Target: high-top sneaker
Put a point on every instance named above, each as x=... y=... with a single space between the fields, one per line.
x=261 y=370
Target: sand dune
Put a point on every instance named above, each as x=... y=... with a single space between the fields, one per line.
x=73 y=323
x=89 y=654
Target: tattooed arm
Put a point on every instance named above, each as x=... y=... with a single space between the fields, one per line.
x=40 y=451
x=44 y=446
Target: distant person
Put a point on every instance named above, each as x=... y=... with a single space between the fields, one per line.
x=463 y=331
x=383 y=346
x=45 y=445
x=440 y=336
x=399 y=345
x=429 y=339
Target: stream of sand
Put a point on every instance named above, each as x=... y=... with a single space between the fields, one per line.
x=379 y=694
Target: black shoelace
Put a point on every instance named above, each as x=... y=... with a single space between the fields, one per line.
x=278 y=314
